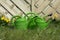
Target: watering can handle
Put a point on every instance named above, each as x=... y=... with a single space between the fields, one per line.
x=32 y=14
x=14 y=18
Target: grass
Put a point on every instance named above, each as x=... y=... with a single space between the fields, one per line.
x=50 y=33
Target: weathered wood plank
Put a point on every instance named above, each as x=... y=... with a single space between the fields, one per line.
x=22 y=5
x=43 y=6
x=55 y=3
x=49 y=10
x=12 y=7
x=7 y=7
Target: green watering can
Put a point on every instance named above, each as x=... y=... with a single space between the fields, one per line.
x=19 y=22
x=36 y=21
x=41 y=23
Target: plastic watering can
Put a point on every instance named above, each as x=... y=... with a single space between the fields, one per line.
x=19 y=22
x=41 y=23
x=37 y=21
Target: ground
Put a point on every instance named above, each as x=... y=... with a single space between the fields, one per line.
x=50 y=33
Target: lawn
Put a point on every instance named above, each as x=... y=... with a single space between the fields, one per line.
x=50 y=33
